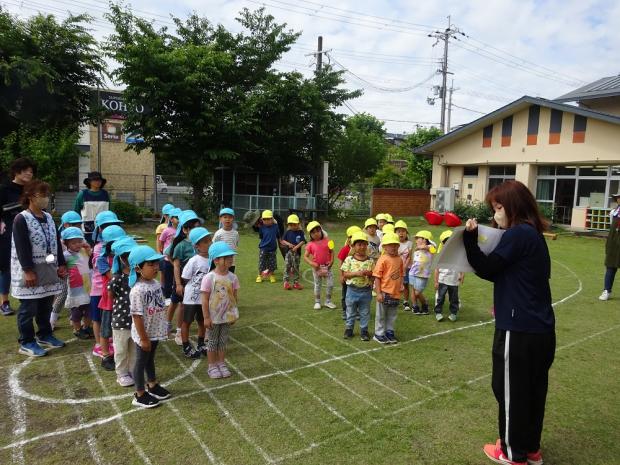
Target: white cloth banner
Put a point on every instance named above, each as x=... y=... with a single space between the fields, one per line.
x=453 y=255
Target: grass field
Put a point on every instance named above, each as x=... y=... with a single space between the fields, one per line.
x=300 y=394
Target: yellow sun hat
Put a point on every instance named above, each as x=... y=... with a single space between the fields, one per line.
x=390 y=238
x=388 y=228
x=389 y=218
x=266 y=214
x=370 y=222
x=292 y=219
x=312 y=225
x=380 y=216
x=401 y=224
x=444 y=236
x=424 y=234
x=359 y=236
x=352 y=230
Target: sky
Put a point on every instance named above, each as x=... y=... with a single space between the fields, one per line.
x=503 y=49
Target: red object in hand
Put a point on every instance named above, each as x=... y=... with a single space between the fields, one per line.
x=433 y=218
x=452 y=220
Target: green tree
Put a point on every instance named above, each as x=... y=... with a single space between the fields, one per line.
x=47 y=69
x=420 y=168
x=358 y=153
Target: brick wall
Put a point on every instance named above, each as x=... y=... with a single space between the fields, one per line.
x=400 y=202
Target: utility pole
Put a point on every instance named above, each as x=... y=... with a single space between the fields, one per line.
x=450 y=90
x=319 y=54
x=445 y=36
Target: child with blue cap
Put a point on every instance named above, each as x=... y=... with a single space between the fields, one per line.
x=180 y=251
x=227 y=232
x=103 y=220
x=219 y=307
x=167 y=283
x=149 y=326
x=118 y=287
x=197 y=267
x=163 y=224
x=77 y=299
x=67 y=220
x=104 y=268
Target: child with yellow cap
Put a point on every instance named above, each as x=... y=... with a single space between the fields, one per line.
x=342 y=255
x=421 y=270
x=293 y=240
x=320 y=256
x=447 y=281
x=370 y=226
x=404 y=251
x=269 y=235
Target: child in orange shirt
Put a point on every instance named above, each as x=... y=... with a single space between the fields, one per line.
x=389 y=273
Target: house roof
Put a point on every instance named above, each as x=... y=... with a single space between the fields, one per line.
x=507 y=110
x=605 y=87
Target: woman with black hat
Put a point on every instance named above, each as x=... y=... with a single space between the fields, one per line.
x=91 y=201
x=612 y=249
x=22 y=171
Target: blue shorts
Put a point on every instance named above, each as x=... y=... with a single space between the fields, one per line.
x=419 y=284
x=95 y=311
x=406 y=277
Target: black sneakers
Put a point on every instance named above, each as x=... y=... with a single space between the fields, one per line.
x=390 y=337
x=425 y=309
x=364 y=336
x=159 y=392
x=107 y=363
x=190 y=352
x=146 y=400
x=348 y=333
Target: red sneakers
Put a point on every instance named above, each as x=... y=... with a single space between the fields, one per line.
x=495 y=453
x=534 y=458
x=287 y=286
x=298 y=286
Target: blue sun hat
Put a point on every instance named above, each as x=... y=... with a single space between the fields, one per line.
x=71 y=233
x=70 y=217
x=111 y=234
x=120 y=247
x=166 y=209
x=139 y=255
x=105 y=218
x=220 y=249
x=227 y=211
x=175 y=212
x=186 y=217
x=197 y=234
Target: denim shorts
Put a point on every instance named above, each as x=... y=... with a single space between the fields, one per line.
x=419 y=284
x=106 y=324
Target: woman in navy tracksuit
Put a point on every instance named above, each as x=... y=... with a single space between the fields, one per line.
x=524 y=340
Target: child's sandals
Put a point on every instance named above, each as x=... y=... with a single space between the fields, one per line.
x=224 y=370
x=214 y=372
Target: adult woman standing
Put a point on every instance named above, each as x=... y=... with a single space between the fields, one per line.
x=91 y=201
x=524 y=340
x=37 y=262
x=21 y=171
x=612 y=249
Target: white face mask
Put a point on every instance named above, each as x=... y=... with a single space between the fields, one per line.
x=500 y=218
x=41 y=202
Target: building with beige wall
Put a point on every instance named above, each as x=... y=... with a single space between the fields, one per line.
x=568 y=155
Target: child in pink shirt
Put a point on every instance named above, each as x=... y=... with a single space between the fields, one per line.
x=319 y=256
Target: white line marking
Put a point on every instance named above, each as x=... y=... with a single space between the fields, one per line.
x=95 y=423
x=371 y=357
x=117 y=410
x=321 y=369
x=19 y=429
x=18 y=390
x=268 y=401
x=90 y=438
x=347 y=364
x=307 y=390
x=225 y=411
x=210 y=455
x=579 y=289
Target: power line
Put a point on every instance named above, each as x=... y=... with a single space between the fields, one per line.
x=381 y=88
x=469 y=109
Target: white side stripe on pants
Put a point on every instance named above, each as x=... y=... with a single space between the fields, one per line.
x=507 y=392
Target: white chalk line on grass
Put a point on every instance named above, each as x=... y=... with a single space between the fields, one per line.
x=16 y=394
x=321 y=369
x=371 y=357
x=304 y=388
x=19 y=428
x=16 y=387
x=91 y=441
x=438 y=394
x=210 y=455
x=347 y=364
x=224 y=411
x=268 y=401
x=117 y=410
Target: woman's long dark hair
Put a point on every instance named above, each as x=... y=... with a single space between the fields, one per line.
x=519 y=204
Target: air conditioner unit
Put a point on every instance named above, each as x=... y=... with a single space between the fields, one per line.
x=444 y=199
